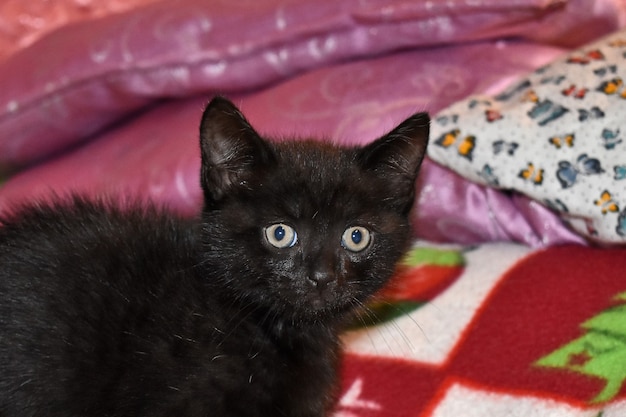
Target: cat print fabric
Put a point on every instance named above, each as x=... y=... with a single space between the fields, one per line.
x=556 y=135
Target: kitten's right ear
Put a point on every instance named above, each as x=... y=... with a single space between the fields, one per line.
x=231 y=149
x=397 y=157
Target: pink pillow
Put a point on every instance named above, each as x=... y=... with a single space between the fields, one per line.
x=24 y=22
x=82 y=77
x=156 y=156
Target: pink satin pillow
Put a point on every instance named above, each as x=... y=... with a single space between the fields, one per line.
x=83 y=76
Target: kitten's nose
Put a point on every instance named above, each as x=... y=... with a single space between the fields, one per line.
x=322 y=278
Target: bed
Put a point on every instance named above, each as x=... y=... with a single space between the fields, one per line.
x=512 y=301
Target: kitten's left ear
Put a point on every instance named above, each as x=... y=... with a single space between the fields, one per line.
x=232 y=151
x=397 y=157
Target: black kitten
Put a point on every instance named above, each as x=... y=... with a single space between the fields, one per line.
x=131 y=312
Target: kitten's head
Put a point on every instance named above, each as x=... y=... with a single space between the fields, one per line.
x=302 y=229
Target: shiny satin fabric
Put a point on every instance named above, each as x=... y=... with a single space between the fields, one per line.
x=155 y=154
x=107 y=99
x=85 y=65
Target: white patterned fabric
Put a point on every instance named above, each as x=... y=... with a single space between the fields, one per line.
x=556 y=136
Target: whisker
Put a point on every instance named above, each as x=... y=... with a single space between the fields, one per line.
x=388 y=327
x=358 y=316
x=373 y=317
x=233 y=328
x=409 y=316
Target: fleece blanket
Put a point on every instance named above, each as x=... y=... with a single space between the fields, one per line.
x=493 y=330
x=511 y=302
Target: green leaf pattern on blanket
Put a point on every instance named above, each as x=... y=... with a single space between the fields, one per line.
x=600 y=352
x=422 y=271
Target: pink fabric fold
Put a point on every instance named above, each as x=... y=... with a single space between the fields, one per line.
x=81 y=77
x=155 y=155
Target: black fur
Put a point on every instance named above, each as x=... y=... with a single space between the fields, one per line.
x=131 y=311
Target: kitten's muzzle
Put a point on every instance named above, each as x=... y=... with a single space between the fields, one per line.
x=321 y=279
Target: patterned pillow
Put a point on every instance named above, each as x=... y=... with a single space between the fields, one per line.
x=556 y=136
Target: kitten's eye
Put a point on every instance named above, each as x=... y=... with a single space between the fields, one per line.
x=356 y=238
x=281 y=236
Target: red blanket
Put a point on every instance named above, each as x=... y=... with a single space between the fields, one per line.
x=515 y=333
